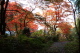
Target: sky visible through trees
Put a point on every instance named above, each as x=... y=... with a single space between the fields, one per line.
x=32 y=6
x=38 y=14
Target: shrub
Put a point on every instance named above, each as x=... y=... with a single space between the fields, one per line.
x=56 y=38
x=72 y=47
x=37 y=33
x=21 y=44
x=73 y=35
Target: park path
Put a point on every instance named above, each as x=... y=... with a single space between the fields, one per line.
x=57 y=47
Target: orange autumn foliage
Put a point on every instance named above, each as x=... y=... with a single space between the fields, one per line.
x=17 y=17
x=56 y=14
x=65 y=27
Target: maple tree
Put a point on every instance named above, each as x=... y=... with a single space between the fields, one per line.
x=65 y=27
x=56 y=13
x=18 y=18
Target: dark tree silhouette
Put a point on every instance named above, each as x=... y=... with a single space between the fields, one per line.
x=2 y=18
x=26 y=31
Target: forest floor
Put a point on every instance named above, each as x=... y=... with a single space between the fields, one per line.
x=57 y=47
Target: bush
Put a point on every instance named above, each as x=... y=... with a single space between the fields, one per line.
x=36 y=45
x=37 y=33
x=72 y=47
x=44 y=37
x=55 y=38
x=73 y=35
x=23 y=44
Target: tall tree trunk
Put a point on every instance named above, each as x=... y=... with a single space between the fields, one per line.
x=57 y=17
x=2 y=18
x=78 y=33
x=3 y=12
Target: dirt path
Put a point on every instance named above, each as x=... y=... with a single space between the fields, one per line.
x=57 y=47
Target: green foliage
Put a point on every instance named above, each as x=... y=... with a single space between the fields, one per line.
x=22 y=37
x=72 y=38
x=56 y=38
x=77 y=4
x=46 y=46
x=72 y=47
x=37 y=33
x=73 y=35
x=36 y=45
x=78 y=25
x=23 y=44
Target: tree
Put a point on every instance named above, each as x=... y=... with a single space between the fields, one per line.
x=66 y=29
x=78 y=19
x=78 y=25
x=2 y=19
x=78 y=5
x=55 y=14
x=74 y=12
x=51 y=15
x=18 y=18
